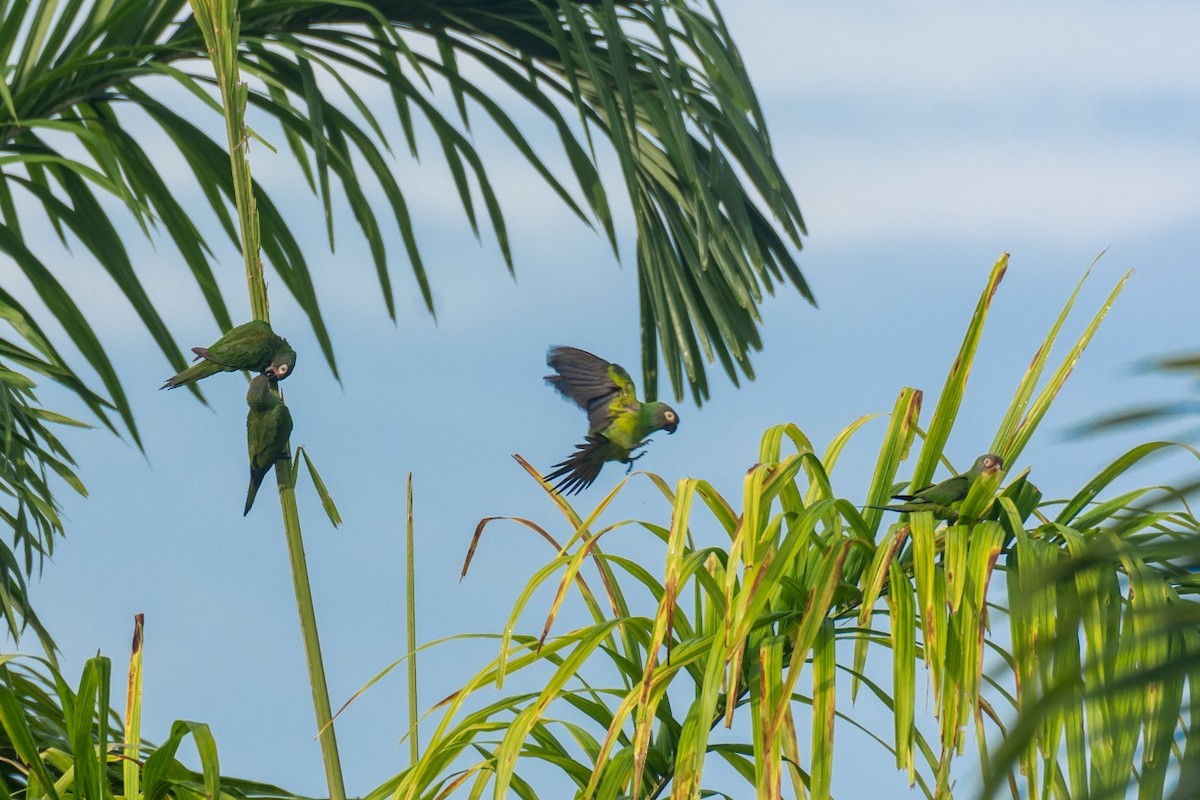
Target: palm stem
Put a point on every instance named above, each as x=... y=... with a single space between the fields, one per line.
x=414 y=745
x=218 y=22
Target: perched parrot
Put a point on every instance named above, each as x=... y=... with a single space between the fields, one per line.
x=617 y=423
x=268 y=425
x=252 y=347
x=943 y=498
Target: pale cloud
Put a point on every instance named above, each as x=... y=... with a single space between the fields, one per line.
x=948 y=49
x=1060 y=123
x=1085 y=194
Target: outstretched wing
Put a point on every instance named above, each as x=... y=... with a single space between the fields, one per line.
x=602 y=389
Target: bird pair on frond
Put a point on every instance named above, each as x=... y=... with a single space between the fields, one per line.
x=252 y=347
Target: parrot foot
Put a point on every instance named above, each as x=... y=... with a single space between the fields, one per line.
x=632 y=459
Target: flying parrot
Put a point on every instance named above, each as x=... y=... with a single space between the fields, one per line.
x=617 y=423
x=268 y=425
x=943 y=498
x=252 y=347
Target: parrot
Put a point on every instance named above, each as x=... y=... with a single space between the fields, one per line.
x=253 y=347
x=618 y=423
x=943 y=498
x=268 y=425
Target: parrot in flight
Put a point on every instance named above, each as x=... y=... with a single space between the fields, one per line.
x=268 y=426
x=943 y=498
x=252 y=347
x=618 y=423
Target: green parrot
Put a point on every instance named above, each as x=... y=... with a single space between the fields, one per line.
x=252 y=347
x=617 y=423
x=268 y=425
x=943 y=498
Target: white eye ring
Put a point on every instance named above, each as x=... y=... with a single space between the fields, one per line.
x=669 y=416
x=281 y=370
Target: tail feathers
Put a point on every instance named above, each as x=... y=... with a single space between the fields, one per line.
x=193 y=373
x=580 y=470
x=256 y=479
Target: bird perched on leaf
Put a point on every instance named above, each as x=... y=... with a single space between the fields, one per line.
x=268 y=426
x=943 y=498
x=618 y=423
x=252 y=347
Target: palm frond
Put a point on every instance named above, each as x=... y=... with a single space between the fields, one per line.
x=33 y=463
x=662 y=82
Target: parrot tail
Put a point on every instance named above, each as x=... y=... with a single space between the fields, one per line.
x=193 y=373
x=256 y=479
x=578 y=471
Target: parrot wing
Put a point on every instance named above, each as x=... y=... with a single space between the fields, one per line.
x=948 y=491
x=249 y=346
x=267 y=435
x=602 y=389
x=946 y=512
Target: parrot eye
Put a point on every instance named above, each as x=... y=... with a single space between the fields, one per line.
x=669 y=416
x=281 y=370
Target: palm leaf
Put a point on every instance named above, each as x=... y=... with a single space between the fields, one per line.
x=662 y=82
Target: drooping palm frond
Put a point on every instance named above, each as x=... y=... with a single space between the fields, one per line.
x=660 y=81
x=1187 y=366
x=31 y=456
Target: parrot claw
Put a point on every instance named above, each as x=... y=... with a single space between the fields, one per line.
x=632 y=459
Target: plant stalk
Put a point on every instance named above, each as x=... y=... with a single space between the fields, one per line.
x=414 y=745
x=218 y=21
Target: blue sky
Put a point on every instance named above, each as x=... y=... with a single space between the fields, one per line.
x=921 y=142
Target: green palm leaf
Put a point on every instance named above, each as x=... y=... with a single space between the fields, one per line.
x=661 y=82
